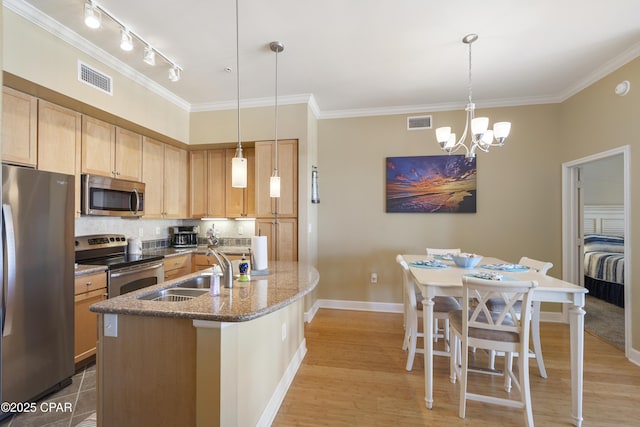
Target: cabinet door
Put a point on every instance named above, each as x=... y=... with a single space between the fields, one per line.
x=282 y=238
x=287 y=204
x=98 y=147
x=86 y=324
x=19 y=127
x=240 y=202
x=128 y=155
x=59 y=142
x=216 y=183
x=153 y=177
x=175 y=182
x=263 y=171
x=198 y=184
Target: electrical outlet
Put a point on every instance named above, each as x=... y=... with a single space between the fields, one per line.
x=157 y=231
x=110 y=325
x=284 y=331
x=374 y=278
x=140 y=232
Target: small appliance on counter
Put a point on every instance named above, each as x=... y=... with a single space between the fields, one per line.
x=184 y=236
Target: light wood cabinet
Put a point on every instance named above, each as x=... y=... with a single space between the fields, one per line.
x=164 y=171
x=211 y=192
x=207 y=183
x=176 y=266
x=202 y=261
x=89 y=289
x=240 y=202
x=108 y=150
x=59 y=139
x=19 y=128
x=282 y=237
x=287 y=204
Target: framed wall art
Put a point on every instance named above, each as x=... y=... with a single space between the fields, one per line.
x=431 y=184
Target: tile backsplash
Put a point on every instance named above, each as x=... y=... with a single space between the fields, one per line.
x=155 y=232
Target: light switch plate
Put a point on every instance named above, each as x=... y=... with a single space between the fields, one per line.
x=110 y=325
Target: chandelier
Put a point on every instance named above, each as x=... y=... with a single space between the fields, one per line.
x=482 y=137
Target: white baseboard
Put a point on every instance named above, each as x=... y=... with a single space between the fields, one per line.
x=385 y=307
x=271 y=410
x=634 y=356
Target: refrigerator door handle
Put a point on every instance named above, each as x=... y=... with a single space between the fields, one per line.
x=10 y=283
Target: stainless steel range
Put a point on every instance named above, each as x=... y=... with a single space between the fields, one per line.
x=125 y=272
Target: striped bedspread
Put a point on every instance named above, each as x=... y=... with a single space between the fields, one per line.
x=604 y=258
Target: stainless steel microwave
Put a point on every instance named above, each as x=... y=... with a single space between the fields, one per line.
x=104 y=196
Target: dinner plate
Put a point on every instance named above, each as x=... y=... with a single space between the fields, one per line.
x=488 y=276
x=512 y=268
x=430 y=264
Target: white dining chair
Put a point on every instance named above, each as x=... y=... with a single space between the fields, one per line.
x=505 y=330
x=413 y=311
x=541 y=267
x=444 y=331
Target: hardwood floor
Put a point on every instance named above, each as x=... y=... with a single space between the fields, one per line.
x=353 y=375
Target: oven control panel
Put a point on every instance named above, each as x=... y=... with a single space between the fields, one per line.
x=98 y=241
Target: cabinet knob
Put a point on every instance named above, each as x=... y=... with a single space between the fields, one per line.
x=89 y=284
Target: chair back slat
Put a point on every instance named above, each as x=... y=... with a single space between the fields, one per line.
x=478 y=292
x=407 y=282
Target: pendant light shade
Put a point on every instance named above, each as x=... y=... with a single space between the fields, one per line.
x=274 y=186
x=239 y=172
x=274 y=183
x=238 y=163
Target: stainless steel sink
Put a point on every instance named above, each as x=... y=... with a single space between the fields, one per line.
x=173 y=294
x=198 y=282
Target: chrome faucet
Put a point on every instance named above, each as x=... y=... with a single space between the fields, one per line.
x=225 y=265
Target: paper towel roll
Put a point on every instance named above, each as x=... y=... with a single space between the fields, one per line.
x=259 y=250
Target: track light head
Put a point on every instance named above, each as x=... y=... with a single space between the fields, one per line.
x=126 y=41
x=149 y=56
x=175 y=73
x=92 y=16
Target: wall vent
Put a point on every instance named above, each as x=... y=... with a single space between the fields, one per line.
x=418 y=122
x=95 y=78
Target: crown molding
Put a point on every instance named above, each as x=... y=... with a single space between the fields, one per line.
x=252 y=103
x=36 y=17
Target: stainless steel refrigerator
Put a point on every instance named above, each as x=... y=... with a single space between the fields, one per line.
x=37 y=312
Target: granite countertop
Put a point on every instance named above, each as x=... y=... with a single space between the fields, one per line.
x=286 y=283
x=169 y=252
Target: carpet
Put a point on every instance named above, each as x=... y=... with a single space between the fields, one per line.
x=605 y=320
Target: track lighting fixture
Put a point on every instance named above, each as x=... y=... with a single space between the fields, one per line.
x=126 y=41
x=175 y=73
x=92 y=16
x=149 y=56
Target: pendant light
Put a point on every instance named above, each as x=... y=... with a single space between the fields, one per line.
x=274 y=182
x=238 y=163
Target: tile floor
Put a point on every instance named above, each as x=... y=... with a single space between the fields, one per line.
x=81 y=394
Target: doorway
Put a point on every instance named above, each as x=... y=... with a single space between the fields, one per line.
x=573 y=225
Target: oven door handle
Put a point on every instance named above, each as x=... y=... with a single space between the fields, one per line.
x=134 y=270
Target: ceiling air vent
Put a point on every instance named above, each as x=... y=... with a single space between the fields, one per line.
x=94 y=78
x=418 y=122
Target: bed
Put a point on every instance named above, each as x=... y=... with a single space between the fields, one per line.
x=604 y=253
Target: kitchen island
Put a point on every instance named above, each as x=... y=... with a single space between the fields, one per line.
x=209 y=361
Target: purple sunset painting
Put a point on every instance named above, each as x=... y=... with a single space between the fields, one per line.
x=431 y=184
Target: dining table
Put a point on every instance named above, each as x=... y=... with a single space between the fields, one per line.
x=446 y=280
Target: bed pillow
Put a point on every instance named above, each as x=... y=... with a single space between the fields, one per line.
x=602 y=243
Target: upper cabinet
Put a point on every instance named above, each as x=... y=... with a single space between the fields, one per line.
x=108 y=150
x=164 y=171
x=59 y=132
x=211 y=192
x=19 y=128
x=240 y=202
x=287 y=204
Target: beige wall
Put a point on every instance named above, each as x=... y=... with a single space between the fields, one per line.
x=517 y=213
x=39 y=57
x=596 y=120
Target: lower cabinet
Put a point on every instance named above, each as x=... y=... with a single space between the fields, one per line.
x=177 y=266
x=202 y=261
x=282 y=237
x=89 y=289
